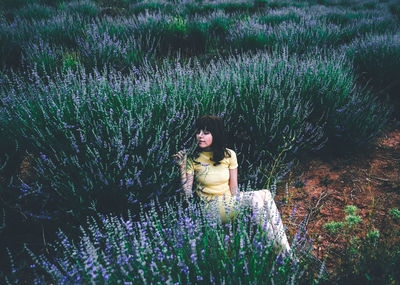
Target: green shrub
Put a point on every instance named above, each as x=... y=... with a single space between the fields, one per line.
x=395 y=213
x=10 y=48
x=41 y=56
x=219 y=28
x=85 y=8
x=346 y=227
x=343 y=18
x=353 y=220
x=232 y=7
x=301 y=36
x=351 y=209
x=375 y=25
x=333 y=227
x=34 y=11
x=143 y=7
x=99 y=48
x=61 y=31
x=70 y=60
x=199 y=9
x=370 y=5
x=119 y=4
x=13 y=4
x=395 y=10
x=166 y=32
x=376 y=62
x=373 y=237
x=277 y=17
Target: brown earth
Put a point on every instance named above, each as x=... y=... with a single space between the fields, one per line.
x=370 y=180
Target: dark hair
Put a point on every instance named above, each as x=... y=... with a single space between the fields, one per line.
x=215 y=125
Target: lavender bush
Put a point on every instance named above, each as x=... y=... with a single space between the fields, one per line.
x=100 y=48
x=35 y=11
x=96 y=137
x=376 y=60
x=84 y=8
x=395 y=10
x=172 y=244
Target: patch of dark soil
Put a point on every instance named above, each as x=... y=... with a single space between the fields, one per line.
x=370 y=180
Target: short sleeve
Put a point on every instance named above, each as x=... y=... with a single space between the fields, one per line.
x=233 y=160
x=190 y=166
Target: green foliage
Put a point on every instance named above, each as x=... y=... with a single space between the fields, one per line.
x=353 y=220
x=395 y=10
x=232 y=7
x=62 y=32
x=120 y=4
x=376 y=61
x=219 y=27
x=42 y=56
x=333 y=227
x=373 y=236
x=70 y=60
x=346 y=227
x=369 y=258
x=351 y=209
x=395 y=213
x=370 y=5
x=84 y=8
x=13 y=4
x=343 y=18
x=278 y=18
x=10 y=48
x=34 y=11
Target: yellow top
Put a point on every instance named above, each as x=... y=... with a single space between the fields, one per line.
x=212 y=180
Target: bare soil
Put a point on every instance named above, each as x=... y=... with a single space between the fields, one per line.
x=370 y=180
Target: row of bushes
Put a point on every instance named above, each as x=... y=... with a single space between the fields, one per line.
x=69 y=41
x=41 y=9
x=106 y=140
x=125 y=41
x=376 y=61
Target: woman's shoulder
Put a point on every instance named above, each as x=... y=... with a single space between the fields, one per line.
x=230 y=151
x=232 y=159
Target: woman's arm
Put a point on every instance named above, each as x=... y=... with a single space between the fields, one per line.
x=233 y=182
x=186 y=178
x=187 y=182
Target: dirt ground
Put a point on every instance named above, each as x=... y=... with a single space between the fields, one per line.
x=370 y=180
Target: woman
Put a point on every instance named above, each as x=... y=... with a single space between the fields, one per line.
x=215 y=168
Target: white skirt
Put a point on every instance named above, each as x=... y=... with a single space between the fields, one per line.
x=263 y=207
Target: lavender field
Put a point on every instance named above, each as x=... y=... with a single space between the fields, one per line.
x=96 y=96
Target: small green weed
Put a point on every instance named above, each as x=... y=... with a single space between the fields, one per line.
x=395 y=213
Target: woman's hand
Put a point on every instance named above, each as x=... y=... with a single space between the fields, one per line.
x=181 y=158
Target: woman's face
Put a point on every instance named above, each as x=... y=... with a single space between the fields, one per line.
x=204 y=139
